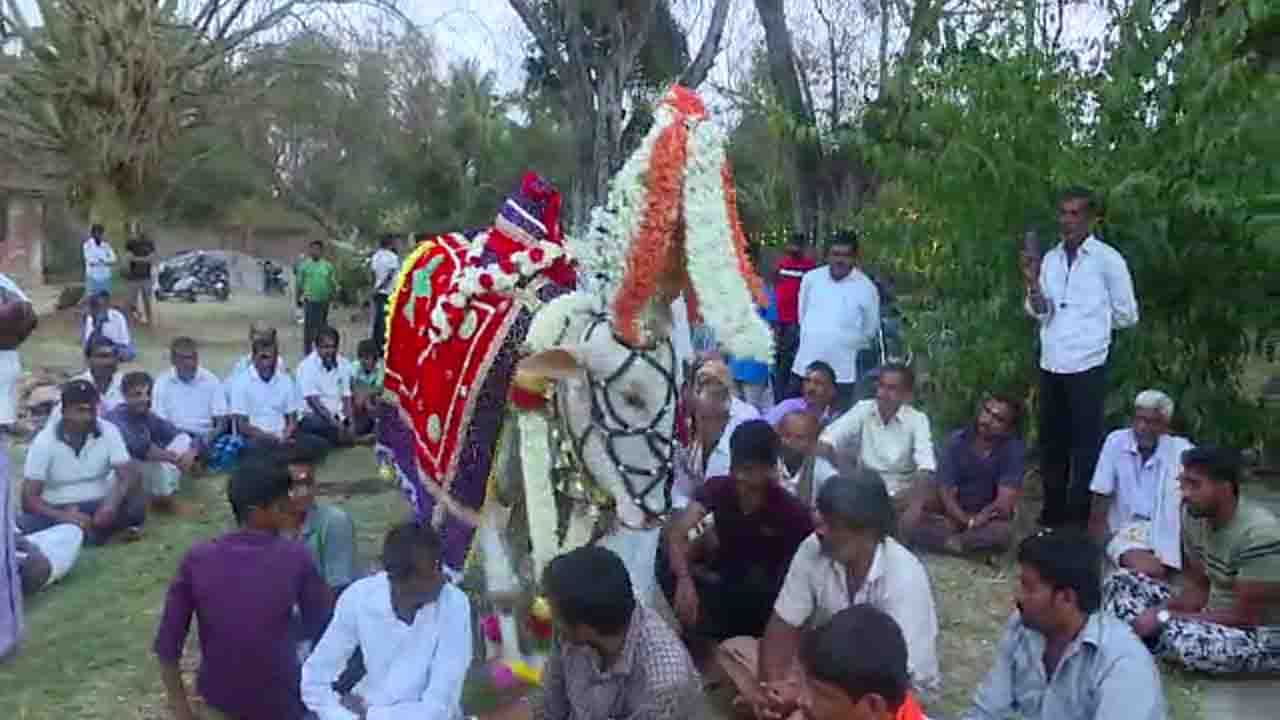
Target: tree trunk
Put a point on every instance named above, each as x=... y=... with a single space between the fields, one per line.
x=807 y=156
x=109 y=209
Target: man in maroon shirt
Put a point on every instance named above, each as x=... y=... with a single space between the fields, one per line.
x=243 y=588
x=724 y=583
x=786 y=287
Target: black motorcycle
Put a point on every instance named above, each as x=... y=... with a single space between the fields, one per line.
x=190 y=275
x=273 y=280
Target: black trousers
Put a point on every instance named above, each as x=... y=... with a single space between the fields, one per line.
x=788 y=341
x=379 y=320
x=315 y=315
x=732 y=603
x=1071 y=434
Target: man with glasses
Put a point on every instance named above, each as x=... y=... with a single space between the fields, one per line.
x=970 y=507
x=189 y=396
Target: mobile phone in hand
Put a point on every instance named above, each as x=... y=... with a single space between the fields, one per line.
x=1031 y=243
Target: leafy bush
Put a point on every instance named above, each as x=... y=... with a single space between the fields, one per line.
x=1176 y=132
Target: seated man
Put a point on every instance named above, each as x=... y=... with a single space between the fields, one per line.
x=413 y=629
x=161 y=451
x=1136 y=508
x=849 y=560
x=1100 y=670
x=191 y=397
x=855 y=666
x=326 y=529
x=1226 y=618
x=366 y=387
x=885 y=435
x=105 y=320
x=46 y=557
x=78 y=471
x=818 y=397
x=979 y=481
x=613 y=658
x=264 y=401
x=724 y=584
x=103 y=374
x=324 y=381
x=801 y=470
x=714 y=415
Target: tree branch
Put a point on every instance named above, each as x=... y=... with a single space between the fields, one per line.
x=697 y=72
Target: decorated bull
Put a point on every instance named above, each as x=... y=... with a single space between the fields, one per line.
x=533 y=377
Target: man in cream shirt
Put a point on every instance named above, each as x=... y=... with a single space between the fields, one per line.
x=839 y=315
x=886 y=435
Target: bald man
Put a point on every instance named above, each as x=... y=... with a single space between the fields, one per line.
x=799 y=469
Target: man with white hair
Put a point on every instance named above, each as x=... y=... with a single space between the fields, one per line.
x=1137 y=508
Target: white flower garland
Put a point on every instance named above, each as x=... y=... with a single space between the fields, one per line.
x=472 y=280
x=602 y=253
x=708 y=233
x=540 y=499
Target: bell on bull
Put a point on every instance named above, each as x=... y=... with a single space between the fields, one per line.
x=544 y=414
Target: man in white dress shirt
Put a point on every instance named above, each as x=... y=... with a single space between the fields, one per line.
x=414 y=631
x=324 y=381
x=265 y=402
x=839 y=315
x=385 y=263
x=1137 y=504
x=1079 y=293
x=189 y=396
x=98 y=261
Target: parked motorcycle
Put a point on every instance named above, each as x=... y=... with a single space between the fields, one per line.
x=273 y=280
x=190 y=275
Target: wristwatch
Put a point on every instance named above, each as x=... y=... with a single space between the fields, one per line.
x=1163 y=617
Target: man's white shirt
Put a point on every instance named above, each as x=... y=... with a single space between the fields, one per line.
x=384 y=264
x=330 y=386
x=896 y=449
x=98 y=259
x=115 y=328
x=817 y=587
x=191 y=406
x=1144 y=491
x=1086 y=302
x=265 y=403
x=75 y=477
x=837 y=319
x=412 y=671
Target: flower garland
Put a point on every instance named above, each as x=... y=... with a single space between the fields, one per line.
x=710 y=219
x=540 y=497
x=475 y=279
x=602 y=252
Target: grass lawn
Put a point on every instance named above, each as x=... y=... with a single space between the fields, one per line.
x=87 y=653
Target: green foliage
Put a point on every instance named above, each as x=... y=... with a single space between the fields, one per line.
x=1177 y=135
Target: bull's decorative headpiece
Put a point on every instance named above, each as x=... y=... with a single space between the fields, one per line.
x=675 y=196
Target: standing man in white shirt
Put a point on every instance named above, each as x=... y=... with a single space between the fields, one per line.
x=414 y=630
x=385 y=263
x=189 y=396
x=1079 y=293
x=99 y=259
x=324 y=381
x=10 y=363
x=1137 y=502
x=839 y=314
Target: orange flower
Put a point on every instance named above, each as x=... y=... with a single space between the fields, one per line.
x=747 y=271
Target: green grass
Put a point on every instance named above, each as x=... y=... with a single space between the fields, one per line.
x=87 y=653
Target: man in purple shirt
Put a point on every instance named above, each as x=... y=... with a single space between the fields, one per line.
x=724 y=583
x=970 y=509
x=243 y=588
x=163 y=452
x=818 y=398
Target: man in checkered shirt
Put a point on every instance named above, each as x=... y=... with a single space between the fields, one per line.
x=613 y=658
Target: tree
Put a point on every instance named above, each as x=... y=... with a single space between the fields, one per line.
x=1174 y=132
x=113 y=85
x=593 y=51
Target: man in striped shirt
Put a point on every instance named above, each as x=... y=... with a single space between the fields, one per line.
x=1226 y=619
